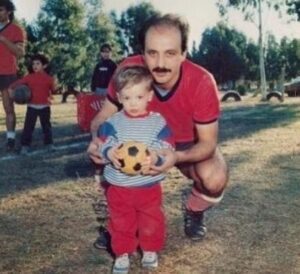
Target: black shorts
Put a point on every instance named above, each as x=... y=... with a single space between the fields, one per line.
x=6 y=80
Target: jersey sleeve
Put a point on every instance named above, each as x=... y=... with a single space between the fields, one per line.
x=19 y=35
x=206 y=102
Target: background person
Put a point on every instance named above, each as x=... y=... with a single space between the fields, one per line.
x=42 y=85
x=187 y=96
x=12 y=46
x=103 y=71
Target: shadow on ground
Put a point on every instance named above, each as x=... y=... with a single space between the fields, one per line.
x=240 y=122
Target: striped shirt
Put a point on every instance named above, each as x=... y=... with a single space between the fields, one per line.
x=150 y=129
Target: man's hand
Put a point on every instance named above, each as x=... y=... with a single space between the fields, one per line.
x=93 y=151
x=169 y=157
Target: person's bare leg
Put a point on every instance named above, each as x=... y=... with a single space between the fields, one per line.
x=210 y=179
x=10 y=119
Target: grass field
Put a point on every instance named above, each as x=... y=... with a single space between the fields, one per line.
x=47 y=224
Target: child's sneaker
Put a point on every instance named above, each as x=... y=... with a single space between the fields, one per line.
x=121 y=265
x=24 y=150
x=150 y=259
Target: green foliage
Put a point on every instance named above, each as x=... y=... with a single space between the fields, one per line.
x=70 y=33
x=290 y=56
x=222 y=53
x=249 y=7
x=130 y=23
x=241 y=89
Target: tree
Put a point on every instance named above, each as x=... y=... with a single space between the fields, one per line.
x=130 y=23
x=274 y=61
x=252 y=7
x=100 y=28
x=251 y=62
x=62 y=21
x=290 y=55
x=222 y=52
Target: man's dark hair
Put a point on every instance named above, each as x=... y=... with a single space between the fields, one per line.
x=132 y=75
x=169 y=20
x=105 y=46
x=40 y=57
x=9 y=6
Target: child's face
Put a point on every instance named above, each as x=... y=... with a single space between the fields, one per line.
x=135 y=98
x=37 y=66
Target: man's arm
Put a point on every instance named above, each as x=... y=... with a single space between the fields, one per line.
x=107 y=110
x=17 y=49
x=205 y=147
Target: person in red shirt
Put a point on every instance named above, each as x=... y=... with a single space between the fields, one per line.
x=41 y=85
x=12 y=46
x=186 y=95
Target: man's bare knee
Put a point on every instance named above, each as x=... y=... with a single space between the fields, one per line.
x=212 y=174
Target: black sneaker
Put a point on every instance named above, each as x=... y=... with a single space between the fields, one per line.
x=103 y=240
x=10 y=145
x=194 y=226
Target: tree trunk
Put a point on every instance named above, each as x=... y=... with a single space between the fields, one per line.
x=263 y=85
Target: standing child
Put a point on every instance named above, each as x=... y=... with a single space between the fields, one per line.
x=41 y=85
x=134 y=202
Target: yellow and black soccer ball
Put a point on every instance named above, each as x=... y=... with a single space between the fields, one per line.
x=131 y=156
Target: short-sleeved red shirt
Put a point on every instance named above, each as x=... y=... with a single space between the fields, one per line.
x=193 y=99
x=8 y=61
x=41 y=85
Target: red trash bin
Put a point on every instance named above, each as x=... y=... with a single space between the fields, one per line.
x=88 y=105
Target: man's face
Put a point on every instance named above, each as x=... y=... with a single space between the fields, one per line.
x=163 y=54
x=4 y=15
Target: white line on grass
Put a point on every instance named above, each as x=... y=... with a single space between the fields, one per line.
x=40 y=151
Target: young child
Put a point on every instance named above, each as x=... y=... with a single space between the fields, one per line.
x=41 y=85
x=134 y=202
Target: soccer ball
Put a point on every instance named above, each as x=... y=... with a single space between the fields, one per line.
x=21 y=94
x=132 y=154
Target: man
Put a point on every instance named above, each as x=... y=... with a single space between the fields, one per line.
x=103 y=71
x=12 y=46
x=186 y=95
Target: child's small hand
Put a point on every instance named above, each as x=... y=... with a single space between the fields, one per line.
x=114 y=157
x=50 y=99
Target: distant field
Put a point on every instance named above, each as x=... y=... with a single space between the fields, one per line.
x=47 y=224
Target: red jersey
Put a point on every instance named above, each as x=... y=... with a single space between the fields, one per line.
x=41 y=85
x=192 y=100
x=8 y=61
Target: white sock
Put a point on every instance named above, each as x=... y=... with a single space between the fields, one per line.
x=10 y=134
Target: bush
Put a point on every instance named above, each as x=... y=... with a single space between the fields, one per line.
x=242 y=90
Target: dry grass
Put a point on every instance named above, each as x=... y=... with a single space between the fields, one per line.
x=47 y=224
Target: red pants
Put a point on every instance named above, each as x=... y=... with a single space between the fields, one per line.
x=135 y=218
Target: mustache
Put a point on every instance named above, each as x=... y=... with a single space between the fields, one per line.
x=158 y=69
